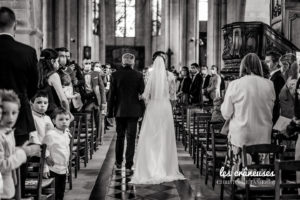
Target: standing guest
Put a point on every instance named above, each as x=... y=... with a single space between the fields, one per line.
x=206 y=77
x=272 y=60
x=95 y=92
x=213 y=89
x=196 y=85
x=286 y=62
x=57 y=141
x=287 y=93
x=49 y=80
x=64 y=67
x=39 y=104
x=184 y=86
x=266 y=71
x=18 y=72
x=11 y=157
x=248 y=106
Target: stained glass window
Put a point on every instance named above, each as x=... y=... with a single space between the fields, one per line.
x=125 y=18
x=156 y=17
x=203 y=10
x=96 y=17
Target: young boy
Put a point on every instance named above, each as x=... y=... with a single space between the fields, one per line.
x=58 y=140
x=11 y=157
x=39 y=105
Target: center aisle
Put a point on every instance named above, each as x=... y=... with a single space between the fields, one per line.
x=100 y=181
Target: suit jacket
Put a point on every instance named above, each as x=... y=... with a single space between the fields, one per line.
x=18 y=72
x=196 y=90
x=206 y=81
x=278 y=82
x=185 y=85
x=125 y=87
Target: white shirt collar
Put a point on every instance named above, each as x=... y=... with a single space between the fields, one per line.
x=273 y=72
x=7 y=34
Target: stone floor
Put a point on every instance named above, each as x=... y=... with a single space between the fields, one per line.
x=100 y=181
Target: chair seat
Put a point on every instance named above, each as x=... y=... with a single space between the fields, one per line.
x=219 y=154
x=31 y=184
x=219 y=147
x=81 y=141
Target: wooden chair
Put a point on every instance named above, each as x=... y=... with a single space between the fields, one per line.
x=72 y=131
x=199 y=135
x=258 y=186
x=81 y=139
x=35 y=185
x=77 y=145
x=216 y=150
x=281 y=184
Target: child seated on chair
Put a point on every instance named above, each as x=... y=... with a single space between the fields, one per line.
x=42 y=122
x=74 y=98
x=11 y=157
x=57 y=141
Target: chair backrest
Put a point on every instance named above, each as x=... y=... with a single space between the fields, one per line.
x=73 y=128
x=282 y=184
x=216 y=139
x=35 y=169
x=260 y=158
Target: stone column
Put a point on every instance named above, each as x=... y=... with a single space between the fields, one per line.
x=102 y=32
x=192 y=31
x=82 y=26
x=29 y=21
x=59 y=23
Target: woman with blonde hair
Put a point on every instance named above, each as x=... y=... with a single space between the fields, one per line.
x=248 y=105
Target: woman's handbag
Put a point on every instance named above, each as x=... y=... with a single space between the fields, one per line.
x=225 y=128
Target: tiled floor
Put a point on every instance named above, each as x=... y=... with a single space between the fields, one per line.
x=120 y=189
x=100 y=181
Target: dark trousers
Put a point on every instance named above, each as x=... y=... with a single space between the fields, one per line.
x=60 y=185
x=126 y=126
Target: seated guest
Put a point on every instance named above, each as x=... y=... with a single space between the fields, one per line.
x=196 y=85
x=49 y=80
x=11 y=157
x=216 y=115
x=184 y=86
x=287 y=93
x=64 y=68
x=57 y=141
x=248 y=106
x=73 y=97
x=272 y=60
x=39 y=105
x=213 y=89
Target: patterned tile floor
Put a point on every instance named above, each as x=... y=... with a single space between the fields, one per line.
x=120 y=189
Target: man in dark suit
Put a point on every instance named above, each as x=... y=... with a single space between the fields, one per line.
x=18 y=72
x=196 y=85
x=125 y=105
x=272 y=60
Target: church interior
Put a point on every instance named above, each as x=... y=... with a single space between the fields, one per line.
x=213 y=34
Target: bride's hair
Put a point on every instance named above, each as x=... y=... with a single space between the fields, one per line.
x=159 y=53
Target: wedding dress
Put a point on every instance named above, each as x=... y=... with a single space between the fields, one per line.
x=156 y=158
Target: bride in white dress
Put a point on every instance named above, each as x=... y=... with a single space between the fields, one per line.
x=156 y=158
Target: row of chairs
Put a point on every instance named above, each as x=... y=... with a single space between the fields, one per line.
x=85 y=138
x=202 y=139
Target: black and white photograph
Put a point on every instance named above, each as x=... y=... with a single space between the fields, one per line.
x=149 y=99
